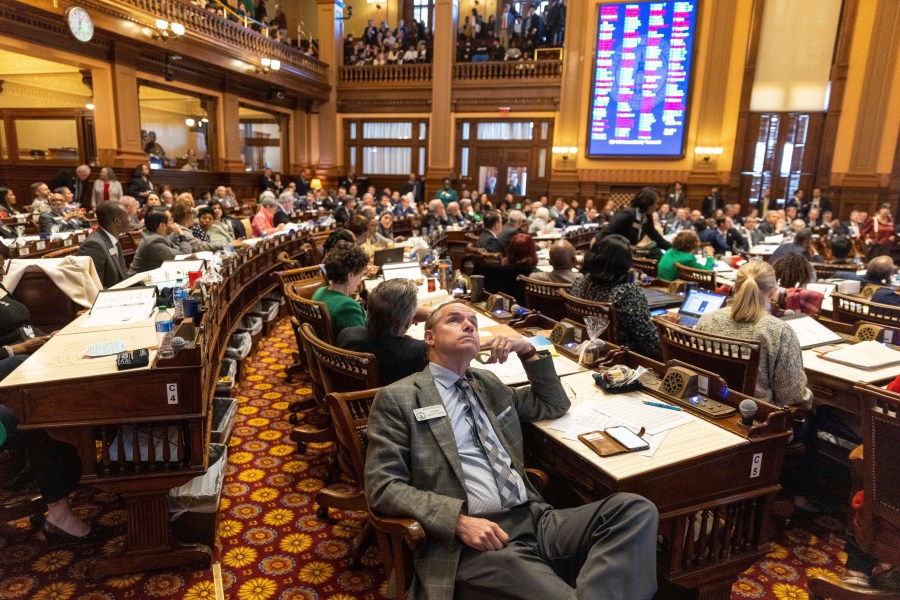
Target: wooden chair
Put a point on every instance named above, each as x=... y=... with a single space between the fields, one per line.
x=877 y=523
x=403 y=537
x=350 y=416
x=304 y=280
x=18 y=503
x=543 y=296
x=294 y=293
x=50 y=307
x=577 y=309
x=737 y=361
x=646 y=265
x=703 y=278
x=475 y=255
x=503 y=278
x=314 y=314
x=827 y=271
x=850 y=309
x=869 y=290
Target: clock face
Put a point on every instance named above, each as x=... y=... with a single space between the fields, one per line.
x=80 y=23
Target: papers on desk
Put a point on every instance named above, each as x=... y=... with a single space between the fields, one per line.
x=194 y=257
x=774 y=239
x=121 y=307
x=624 y=409
x=810 y=332
x=722 y=267
x=106 y=348
x=867 y=356
x=587 y=417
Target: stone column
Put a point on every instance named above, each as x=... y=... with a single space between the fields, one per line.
x=441 y=132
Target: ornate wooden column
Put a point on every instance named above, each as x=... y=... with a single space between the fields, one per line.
x=126 y=112
x=324 y=131
x=441 y=133
x=230 y=158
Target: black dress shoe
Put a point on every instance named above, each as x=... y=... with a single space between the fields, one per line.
x=56 y=537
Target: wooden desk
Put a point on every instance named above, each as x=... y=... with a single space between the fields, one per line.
x=712 y=481
x=106 y=413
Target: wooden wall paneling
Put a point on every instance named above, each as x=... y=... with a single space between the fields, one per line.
x=838 y=78
x=743 y=124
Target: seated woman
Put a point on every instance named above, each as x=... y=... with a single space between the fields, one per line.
x=345 y=265
x=392 y=309
x=521 y=253
x=183 y=214
x=606 y=279
x=225 y=229
x=386 y=228
x=264 y=220
x=684 y=247
x=57 y=468
x=8 y=203
x=793 y=271
x=781 y=379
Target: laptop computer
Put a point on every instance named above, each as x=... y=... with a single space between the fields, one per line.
x=387 y=255
x=402 y=270
x=698 y=303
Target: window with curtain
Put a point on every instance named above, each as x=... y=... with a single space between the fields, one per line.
x=386 y=160
x=505 y=130
x=422 y=11
x=387 y=131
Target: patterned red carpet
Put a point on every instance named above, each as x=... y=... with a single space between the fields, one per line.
x=272 y=545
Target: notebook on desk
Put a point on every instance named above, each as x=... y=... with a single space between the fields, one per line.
x=867 y=356
x=810 y=332
x=697 y=304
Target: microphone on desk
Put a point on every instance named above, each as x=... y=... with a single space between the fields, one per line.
x=516 y=309
x=748 y=410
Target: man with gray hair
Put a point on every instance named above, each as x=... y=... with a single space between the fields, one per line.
x=541 y=221
x=391 y=310
x=76 y=181
x=436 y=217
x=514 y=222
x=130 y=204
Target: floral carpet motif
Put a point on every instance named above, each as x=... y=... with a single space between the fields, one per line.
x=271 y=544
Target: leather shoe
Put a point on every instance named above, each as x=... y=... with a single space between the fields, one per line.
x=56 y=537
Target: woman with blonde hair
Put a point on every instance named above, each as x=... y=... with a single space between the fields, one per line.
x=781 y=379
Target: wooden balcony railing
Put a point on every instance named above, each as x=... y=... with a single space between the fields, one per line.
x=531 y=70
x=216 y=28
x=409 y=73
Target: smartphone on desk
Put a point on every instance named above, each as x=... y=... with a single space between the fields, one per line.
x=627 y=438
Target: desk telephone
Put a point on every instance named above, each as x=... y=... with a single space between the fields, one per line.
x=688 y=388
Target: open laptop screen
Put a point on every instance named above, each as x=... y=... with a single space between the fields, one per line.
x=402 y=270
x=700 y=302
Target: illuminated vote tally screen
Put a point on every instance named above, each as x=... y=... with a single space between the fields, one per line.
x=641 y=79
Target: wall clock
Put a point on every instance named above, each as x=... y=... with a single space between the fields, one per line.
x=80 y=23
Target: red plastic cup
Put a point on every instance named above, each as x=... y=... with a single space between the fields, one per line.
x=193 y=276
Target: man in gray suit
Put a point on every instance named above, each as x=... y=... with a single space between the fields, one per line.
x=163 y=240
x=445 y=448
x=103 y=244
x=58 y=218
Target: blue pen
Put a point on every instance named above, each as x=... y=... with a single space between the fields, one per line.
x=661 y=405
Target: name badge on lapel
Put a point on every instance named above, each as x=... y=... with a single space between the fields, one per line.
x=430 y=412
x=114 y=250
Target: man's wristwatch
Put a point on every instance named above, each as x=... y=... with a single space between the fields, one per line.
x=523 y=356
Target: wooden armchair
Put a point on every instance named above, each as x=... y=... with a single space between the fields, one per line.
x=306 y=280
x=543 y=296
x=827 y=271
x=314 y=314
x=475 y=256
x=577 y=309
x=646 y=265
x=703 y=278
x=17 y=503
x=294 y=294
x=850 y=309
x=877 y=523
x=737 y=361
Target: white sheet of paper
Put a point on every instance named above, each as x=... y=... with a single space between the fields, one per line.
x=631 y=410
x=106 y=348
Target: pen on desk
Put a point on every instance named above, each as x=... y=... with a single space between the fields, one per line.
x=661 y=405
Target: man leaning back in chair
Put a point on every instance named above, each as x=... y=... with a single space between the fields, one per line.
x=445 y=448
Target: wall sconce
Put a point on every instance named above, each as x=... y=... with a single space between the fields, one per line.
x=165 y=30
x=190 y=122
x=377 y=3
x=565 y=151
x=348 y=14
x=89 y=106
x=707 y=152
x=268 y=64
x=315 y=184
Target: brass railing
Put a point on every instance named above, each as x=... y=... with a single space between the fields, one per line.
x=524 y=69
x=217 y=28
x=408 y=73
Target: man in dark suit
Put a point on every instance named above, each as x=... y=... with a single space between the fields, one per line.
x=878 y=272
x=514 y=222
x=58 y=218
x=391 y=309
x=635 y=222
x=817 y=201
x=492 y=228
x=446 y=449
x=801 y=244
x=76 y=181
x=103 y=244
x=163 y=240
x=712 y=202
x=267 y=183
x=413 y=186
x=677 y=197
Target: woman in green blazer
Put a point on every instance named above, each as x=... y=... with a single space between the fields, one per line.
x=684 y=246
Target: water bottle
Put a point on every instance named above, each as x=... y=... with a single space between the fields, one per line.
x=165 y=326
x=179 y=293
